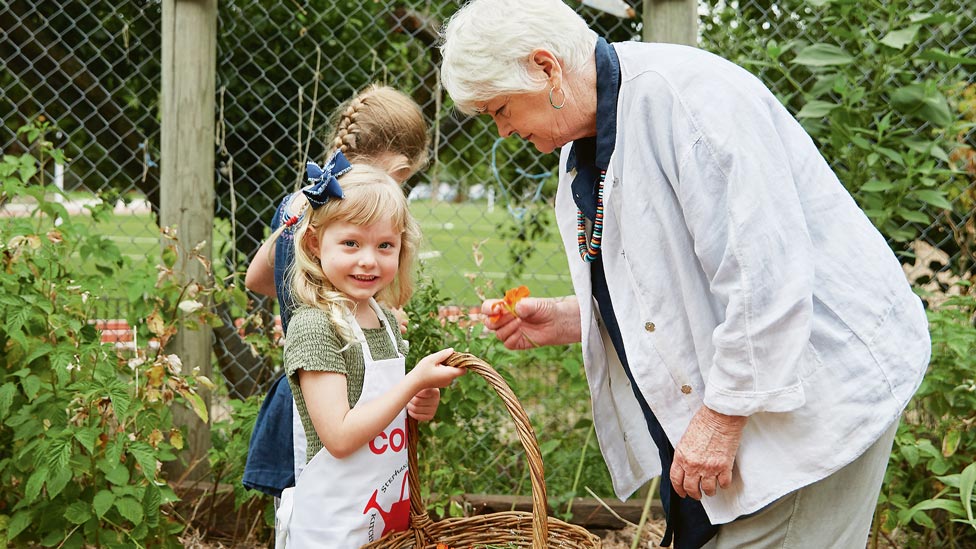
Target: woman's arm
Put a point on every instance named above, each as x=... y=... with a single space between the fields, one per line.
x=343 y=430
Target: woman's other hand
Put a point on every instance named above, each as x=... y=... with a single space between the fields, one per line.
x=705 y=454
x=536 y=322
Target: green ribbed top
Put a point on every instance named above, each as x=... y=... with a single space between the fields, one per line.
x=312 y=344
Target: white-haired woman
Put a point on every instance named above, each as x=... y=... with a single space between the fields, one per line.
x=744 y=326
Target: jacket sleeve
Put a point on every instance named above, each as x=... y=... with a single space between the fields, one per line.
x=739 y=199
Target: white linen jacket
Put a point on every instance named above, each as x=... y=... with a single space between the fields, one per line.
x=743 y=277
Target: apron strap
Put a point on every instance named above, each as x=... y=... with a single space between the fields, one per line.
x=358 y=332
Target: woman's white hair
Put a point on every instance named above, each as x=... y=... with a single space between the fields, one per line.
x=487 y=45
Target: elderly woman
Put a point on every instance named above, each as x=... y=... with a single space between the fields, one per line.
x=744 y=326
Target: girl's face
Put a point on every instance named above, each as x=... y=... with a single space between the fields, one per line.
x=359 y=260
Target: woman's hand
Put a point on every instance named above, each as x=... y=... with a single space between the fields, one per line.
x=537 y=321
x=423 y=405
x=705 y=454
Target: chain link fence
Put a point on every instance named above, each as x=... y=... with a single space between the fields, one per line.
x=93 y=69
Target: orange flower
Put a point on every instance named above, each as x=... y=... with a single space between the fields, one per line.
x=512 y=297
x=443 y=546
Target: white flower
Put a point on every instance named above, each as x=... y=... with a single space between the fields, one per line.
x=175 y=364
x=190 y=306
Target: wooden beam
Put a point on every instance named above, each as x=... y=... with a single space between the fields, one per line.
x=587 y=512
x=187 y=100
x=671 y=21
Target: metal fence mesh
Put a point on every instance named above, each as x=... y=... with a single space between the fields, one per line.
x=93 y=68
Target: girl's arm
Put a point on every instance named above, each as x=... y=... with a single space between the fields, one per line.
x=343 y=430
x=260 y=272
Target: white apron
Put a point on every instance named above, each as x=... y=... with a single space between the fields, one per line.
x=286 y=502
x=345 y=503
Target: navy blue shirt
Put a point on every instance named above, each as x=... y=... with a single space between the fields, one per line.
x=270 y=464
x=688 y=524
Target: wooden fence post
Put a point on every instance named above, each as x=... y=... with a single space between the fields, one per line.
x=187 y=100
x=671 y=21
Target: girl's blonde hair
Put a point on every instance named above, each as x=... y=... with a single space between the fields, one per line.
x=370 y=195
x=378 y=122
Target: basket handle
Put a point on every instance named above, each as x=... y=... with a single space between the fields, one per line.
x=418 y=513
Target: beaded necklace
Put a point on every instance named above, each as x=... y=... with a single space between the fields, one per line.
x=590 y=250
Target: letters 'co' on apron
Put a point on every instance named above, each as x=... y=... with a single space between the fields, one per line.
x=345 y=503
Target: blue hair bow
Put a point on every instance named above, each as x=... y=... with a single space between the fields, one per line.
x=324 y=182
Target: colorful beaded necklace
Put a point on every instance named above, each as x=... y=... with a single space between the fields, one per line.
x=590 y=250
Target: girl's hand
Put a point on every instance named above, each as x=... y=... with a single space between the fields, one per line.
x=431 y=371
x=423 y=405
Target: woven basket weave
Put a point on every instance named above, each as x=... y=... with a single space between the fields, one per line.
x=504 y=529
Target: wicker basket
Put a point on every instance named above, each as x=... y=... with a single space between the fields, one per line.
x=504 y=529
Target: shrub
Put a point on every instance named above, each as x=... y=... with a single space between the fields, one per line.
x=929 y=483
x=84 y=426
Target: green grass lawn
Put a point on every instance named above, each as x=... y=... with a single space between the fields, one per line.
x=451 y=232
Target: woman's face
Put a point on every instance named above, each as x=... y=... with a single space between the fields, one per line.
x=531 y=117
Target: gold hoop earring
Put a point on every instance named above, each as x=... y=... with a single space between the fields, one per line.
x=554 y=105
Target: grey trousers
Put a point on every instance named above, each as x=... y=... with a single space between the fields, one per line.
x=834 y=513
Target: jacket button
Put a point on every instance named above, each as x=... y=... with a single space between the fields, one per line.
x=649 y=326
x=686 y=389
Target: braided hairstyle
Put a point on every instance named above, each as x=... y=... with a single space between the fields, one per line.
x=378 y=123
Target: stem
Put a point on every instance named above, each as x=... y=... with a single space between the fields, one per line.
x=646 y=511
x=876 y=527
x=579 y=469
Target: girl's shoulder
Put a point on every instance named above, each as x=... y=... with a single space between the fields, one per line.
x=306 y=320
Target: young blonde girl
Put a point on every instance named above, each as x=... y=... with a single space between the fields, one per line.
x=344 y=357
x=380 y=126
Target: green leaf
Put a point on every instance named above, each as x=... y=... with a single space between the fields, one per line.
x=913 y=216
x=151 y=502
x=116 y=473
x=966 y=483
x=78 y=512
x=910 y=453
x=31 y=385
x=121 y=399
x=34 y=484
x=876 y=186
x=940 y=56
x=103 y=502
x=950 y=442
x=822 y=55
x=196 y=402
x=59 y=451
x=57 y=481
x=18 y=523
x=87 y=437
x=7 y=392
x=933 y=197
x=130 y=509
x=898 y=39
x=146 y=458
x=816 y=109
x=923 y=102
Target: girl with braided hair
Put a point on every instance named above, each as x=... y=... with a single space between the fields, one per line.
x=380 y=126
